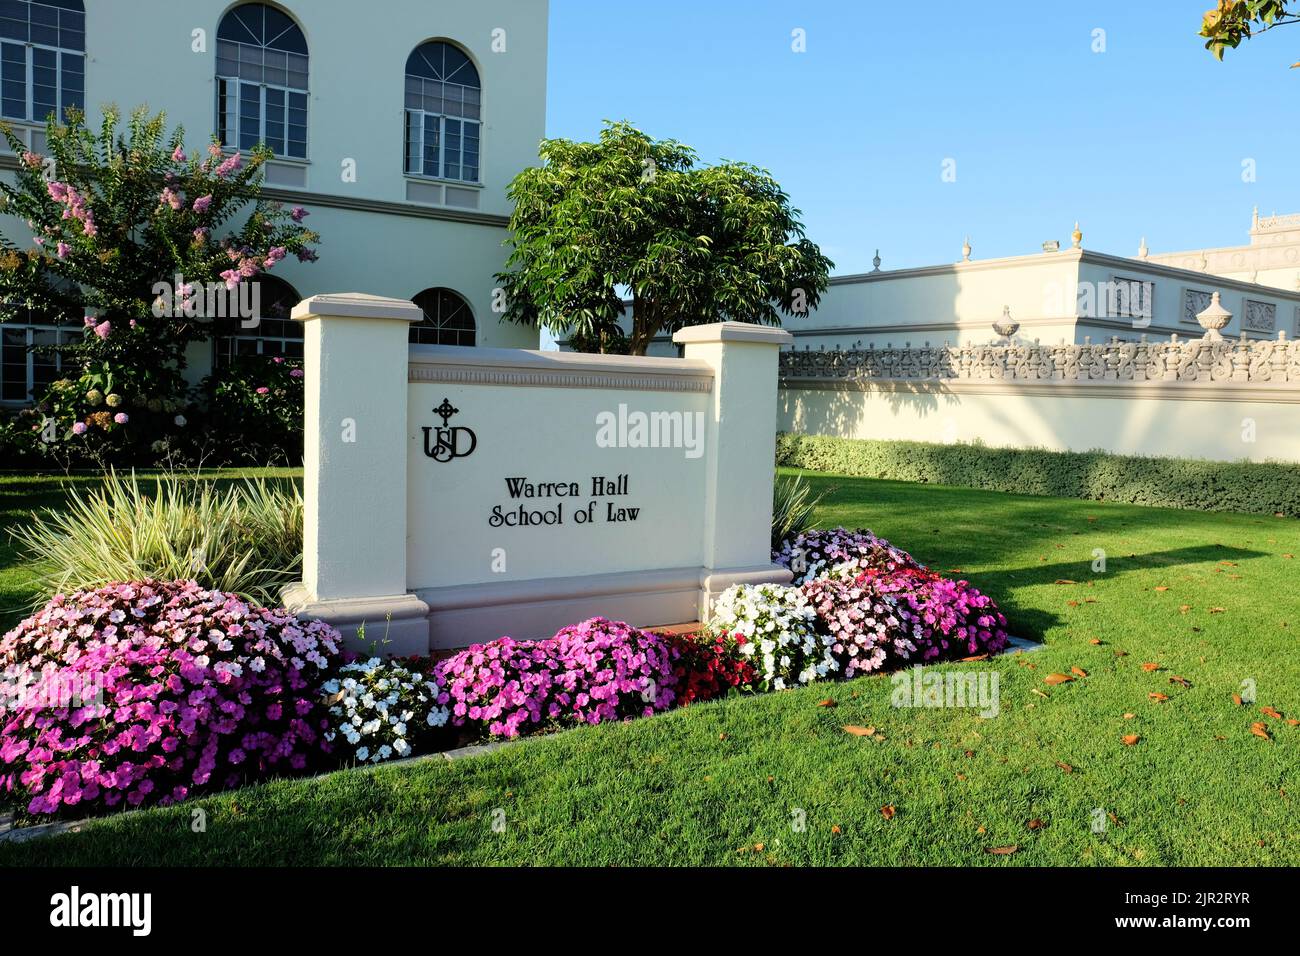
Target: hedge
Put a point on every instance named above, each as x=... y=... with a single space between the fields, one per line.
x=1271 y=488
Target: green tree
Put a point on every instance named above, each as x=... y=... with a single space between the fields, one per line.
x=632 y=215
x=113 y=218
x=1232 y=21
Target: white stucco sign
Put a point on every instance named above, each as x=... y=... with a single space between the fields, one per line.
x=456 y=495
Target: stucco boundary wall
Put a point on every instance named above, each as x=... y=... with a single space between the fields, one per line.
x=1226 y=400
x=409 y=456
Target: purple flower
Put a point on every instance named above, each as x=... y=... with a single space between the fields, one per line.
x=296 y=373
x=121 y=418
x=63 y=250
x=79 y=428
x=202 y=203
x=298 y=214
x=178 y=155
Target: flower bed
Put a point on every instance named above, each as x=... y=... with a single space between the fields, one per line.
x=813 y=554
x=595 y=671
x=382 y=709
x=144 y=693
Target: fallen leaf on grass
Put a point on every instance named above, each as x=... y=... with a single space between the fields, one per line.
x=835 y=829
x=1035 y=824
x=1158 y=697
x=1150 y=666
x=1259 y=730
x=828 y=702
x=857 y=731
x=1057 y=679
x=975 y=657
x=888 y=811
x=1065 y=581
x=1236 y=699
x=1180 y=680
x=1078 y=672
x=1035 y=690
x=1001 y=850
x=1270 y=712
x=1218 y=610
x=1095 y=640
x=1065 y=766
x=1184 y=608
x=1131 y=739
x=1163 y=587
x=1129 y=716
x=1293 y=722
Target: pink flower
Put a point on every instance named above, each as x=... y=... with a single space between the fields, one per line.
x=263 y=390
x=63 y=250
x=232 y=163
x=79 y=428
x=201 y=234
x=298 y=214
x=121 y=418
x=296 y=373
x=103 y=329
x=202 y=203
x=178 y=155
x=232 y=277
x=89 y=321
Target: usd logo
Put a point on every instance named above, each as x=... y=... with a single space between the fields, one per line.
x=455 y=441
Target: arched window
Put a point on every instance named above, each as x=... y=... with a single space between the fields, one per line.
x=262 y=81
x=442 y=113
x=273 y=333
x=42 y=58
x=448 y=319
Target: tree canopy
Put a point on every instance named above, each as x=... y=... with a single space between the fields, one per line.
x=631 y=215
x=1232 y=21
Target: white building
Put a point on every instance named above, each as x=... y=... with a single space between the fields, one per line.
x=397 y=125
x=1073 y=295
x=1272 y=257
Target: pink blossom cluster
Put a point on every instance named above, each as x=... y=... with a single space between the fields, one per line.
x=881 y=618
x=75 y=206
x=592 y=672
x=196 y=690
x=840 y=551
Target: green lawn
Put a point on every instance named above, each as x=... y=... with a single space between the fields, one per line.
x=1211 y=598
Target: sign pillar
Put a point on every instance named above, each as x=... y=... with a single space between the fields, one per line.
x=741 y=453
x=354 y=485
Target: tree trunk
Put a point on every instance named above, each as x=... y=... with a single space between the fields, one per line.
x=645 y=323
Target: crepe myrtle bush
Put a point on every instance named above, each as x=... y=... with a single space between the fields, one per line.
x=111 y=217
x=150 y=692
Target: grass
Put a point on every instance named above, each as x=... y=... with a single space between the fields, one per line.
x=1211 y=598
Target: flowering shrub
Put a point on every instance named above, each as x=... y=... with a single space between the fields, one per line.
x=595 y=671
x=144 y=248
x=175 y=689
x=814 y=553
x=779 y=626
x=379 y=708
x=706 y=666
x=256 y=408
x=880 y=618
x=861 y=619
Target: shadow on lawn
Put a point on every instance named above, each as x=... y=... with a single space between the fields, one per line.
x=1032 y=622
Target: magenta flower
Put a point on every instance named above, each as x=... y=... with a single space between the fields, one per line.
x=263 y=390
x=296 y=373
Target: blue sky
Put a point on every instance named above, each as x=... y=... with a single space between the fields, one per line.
x=1147 y=138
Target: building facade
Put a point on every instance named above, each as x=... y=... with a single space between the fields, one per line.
x=397 y=126
x=1073 y=295
x=1271 y=257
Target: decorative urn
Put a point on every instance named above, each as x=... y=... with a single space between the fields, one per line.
x=1005 y=327
x=1214 y=318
